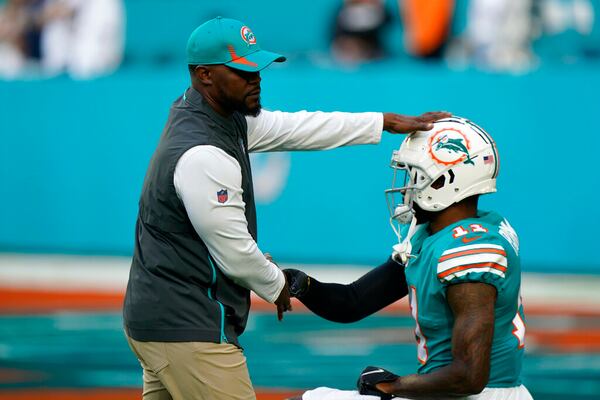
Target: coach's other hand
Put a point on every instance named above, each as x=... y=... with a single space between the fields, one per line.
x=370 y=377
x=283 y=302
x=269 y=257
x=396 y=123
x=298 y=282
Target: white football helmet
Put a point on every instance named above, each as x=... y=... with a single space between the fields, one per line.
x=454 y=160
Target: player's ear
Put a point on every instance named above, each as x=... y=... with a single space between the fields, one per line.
x=202 y=74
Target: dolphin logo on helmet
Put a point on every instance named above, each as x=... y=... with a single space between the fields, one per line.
x=450 y=146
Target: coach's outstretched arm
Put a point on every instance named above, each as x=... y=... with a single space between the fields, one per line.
x=353 y=302
x=317 y=130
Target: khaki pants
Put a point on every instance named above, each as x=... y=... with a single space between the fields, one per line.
x=193 y=371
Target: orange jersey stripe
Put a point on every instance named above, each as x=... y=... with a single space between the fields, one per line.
x=469 y=266
x=470 y=252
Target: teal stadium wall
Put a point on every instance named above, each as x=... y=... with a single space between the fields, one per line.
x=73 y=153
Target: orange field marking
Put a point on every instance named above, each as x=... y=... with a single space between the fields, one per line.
x=568 y=341
x=12 y=375
x=16 y=301
x=71 y=394
x=108 y=394
x=36 y=301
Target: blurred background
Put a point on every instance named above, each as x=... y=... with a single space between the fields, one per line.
x=85 y=87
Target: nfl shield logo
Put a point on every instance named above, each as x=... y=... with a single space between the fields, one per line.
x=222 y=196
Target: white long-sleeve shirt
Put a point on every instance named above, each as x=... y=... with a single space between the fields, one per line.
x=202 y=171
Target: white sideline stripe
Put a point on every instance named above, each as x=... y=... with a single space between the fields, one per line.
x=471 y=259
x=102 y=274
x=472 y=247
x=110 y=274
x=467 y=271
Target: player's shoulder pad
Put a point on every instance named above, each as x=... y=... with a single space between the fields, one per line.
x=472 y=248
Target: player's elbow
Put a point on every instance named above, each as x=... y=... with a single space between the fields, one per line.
x=474 y=387
x=476 y=381
x=470 y=380
x=468 y=387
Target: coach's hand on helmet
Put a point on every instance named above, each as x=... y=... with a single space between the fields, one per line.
x=283 y=302
x=396 y=123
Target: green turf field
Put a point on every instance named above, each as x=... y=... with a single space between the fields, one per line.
x=81 y=350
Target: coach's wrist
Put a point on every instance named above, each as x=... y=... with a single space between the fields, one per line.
x=280 y=284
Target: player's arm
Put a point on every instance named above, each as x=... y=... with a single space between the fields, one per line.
x=473 y=307
x=303 y=130
x=335 y=302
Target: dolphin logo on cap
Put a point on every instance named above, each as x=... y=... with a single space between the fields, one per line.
x=247 y=35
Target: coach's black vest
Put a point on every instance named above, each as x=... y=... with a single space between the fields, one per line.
x=176 y=291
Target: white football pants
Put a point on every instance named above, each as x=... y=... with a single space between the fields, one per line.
x=325 y=393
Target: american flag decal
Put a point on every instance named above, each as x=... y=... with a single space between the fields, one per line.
x=222 y=196
x=488 y=159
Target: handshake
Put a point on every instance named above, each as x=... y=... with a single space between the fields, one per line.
x=320 y=301
x=296 y=285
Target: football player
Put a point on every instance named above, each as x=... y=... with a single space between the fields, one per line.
x=458 y=264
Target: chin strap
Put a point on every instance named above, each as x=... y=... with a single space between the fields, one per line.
x=401 y=251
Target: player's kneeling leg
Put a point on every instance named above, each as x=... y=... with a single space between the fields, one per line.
x=325 y=393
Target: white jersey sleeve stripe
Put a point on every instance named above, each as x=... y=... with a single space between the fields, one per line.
x=481 y=267
x=472 y=259
x=470 y=252
x=473 y=247
x=457 y=274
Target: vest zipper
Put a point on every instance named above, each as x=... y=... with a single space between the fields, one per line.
x=223 y=338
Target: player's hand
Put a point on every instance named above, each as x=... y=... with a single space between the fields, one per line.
x=370 y=377
x=298 y=282
x=396 y=123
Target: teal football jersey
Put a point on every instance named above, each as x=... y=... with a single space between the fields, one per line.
x=483 y=249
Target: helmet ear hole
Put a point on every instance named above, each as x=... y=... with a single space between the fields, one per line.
x=439 y=183
x=451 y=174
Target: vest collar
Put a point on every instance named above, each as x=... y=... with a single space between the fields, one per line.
x=195 y=99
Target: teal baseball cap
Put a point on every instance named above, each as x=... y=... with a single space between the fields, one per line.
x=230 y=42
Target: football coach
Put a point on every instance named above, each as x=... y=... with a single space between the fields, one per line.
x=196 y=256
